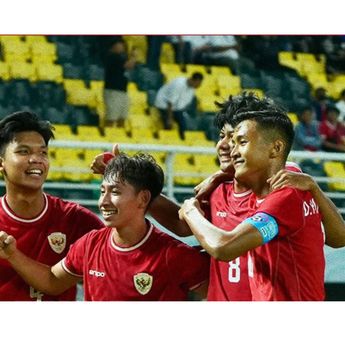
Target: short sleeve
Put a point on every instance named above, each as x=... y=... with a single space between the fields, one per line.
x=188 y=265
x=73 y=263
x=286 y=207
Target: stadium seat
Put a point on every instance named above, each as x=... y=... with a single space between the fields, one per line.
x=49 y=72
x=114 y=134
x=35 y=38
x=141 y=121
x=4 y=71
x=167 y=53
x=15 y=51
x=71 y=71
x=220 y=70
x=63 y=132
x=22 y=70
x=43 y=51
x=170 y=137
x=336 y=170
x=90 y=133
x=191 y=68
x=293 y=117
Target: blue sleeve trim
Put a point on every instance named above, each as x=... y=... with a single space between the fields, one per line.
x=265 y=224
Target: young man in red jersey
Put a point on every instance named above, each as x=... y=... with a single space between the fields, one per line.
x=282 y=231
x=44 y=226
x=229 y=206
x=128 y=260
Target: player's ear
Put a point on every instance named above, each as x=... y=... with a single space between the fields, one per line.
x=1 y=164
x=144 y=198
x=277 y=148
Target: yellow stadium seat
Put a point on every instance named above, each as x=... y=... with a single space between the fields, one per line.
x=115 y=134
x=89 y=133
x=167 y=53
x=191 y=136
x=226 y=81
x=90 y=154
x=143 y=135
x=258 y=92
x=220 y=70
x=22 y=70
x=141 y=121
x=63 y=132
x=183 y=166
x=206 y=163
x=49 y=72
x=289 y=59
x=170 y=137
x=70 y=84
x=336 y=170
x=81 y=97
x=15 y=51
x=4 y=71
x=35 y=38
x=170 y=67
x=44 y=49
x=10 y=38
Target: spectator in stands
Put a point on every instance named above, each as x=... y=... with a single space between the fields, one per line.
x=341 y=106
x=320 y=103
x=307 y=136
x=173 y=98
x=116 y=100
x=129 y=259
x=332 y=131
x=45 y=226
x=154 y=46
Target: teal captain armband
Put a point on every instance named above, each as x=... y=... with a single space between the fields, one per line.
x=265 y=224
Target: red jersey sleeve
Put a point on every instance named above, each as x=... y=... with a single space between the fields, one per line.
x=74 y=261
x=188 y=265
x=286 y=207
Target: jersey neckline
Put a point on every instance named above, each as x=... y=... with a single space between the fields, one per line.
x=11 y=214
x=128 y=249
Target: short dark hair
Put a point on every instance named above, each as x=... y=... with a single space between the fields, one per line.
x=23 y=121
x=246 y=101
x=141 y=171
x=197 y=76
x=268 y=115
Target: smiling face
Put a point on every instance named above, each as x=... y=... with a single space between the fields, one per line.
x=25 y=162
x=224 y=147
x=120 y=203
x=251 y=152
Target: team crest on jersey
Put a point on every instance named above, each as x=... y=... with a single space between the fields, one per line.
x=143 y=282
x=57 y=241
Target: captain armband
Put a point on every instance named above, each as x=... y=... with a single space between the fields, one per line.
x=265 y=224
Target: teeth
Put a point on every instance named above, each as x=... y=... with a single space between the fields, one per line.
x=108 y=213
x=35 y=171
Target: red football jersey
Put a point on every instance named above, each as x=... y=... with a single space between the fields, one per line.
x=229 y=280
x=45 y=238
x=291 y=266
x=158 y=268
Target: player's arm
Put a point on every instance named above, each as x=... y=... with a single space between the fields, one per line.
x=225 y=245
x=332 y=220
x=165 y=212
x=49 y=280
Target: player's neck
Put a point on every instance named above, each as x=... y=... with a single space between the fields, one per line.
x=239 y=187
x=129 y=236
x=25 y=205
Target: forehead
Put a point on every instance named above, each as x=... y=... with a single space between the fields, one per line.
x=247 y=127
x=28 y=138
x=227 y=128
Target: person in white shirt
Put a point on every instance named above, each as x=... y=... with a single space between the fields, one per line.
x=174 y=97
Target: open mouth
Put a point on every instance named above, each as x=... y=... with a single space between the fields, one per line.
x=34 y=172
x=108 y=213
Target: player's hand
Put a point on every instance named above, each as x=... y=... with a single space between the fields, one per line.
x=188 y=206
x=7 y=245
x=284 y=178
x=100 y=161
x=205 y=188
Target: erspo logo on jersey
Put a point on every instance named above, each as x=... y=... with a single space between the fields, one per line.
x=97 y=274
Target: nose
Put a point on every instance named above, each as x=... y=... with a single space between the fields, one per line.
x=36 y=158
x=234 y=152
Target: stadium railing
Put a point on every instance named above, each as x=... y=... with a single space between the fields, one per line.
x=170 y=189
